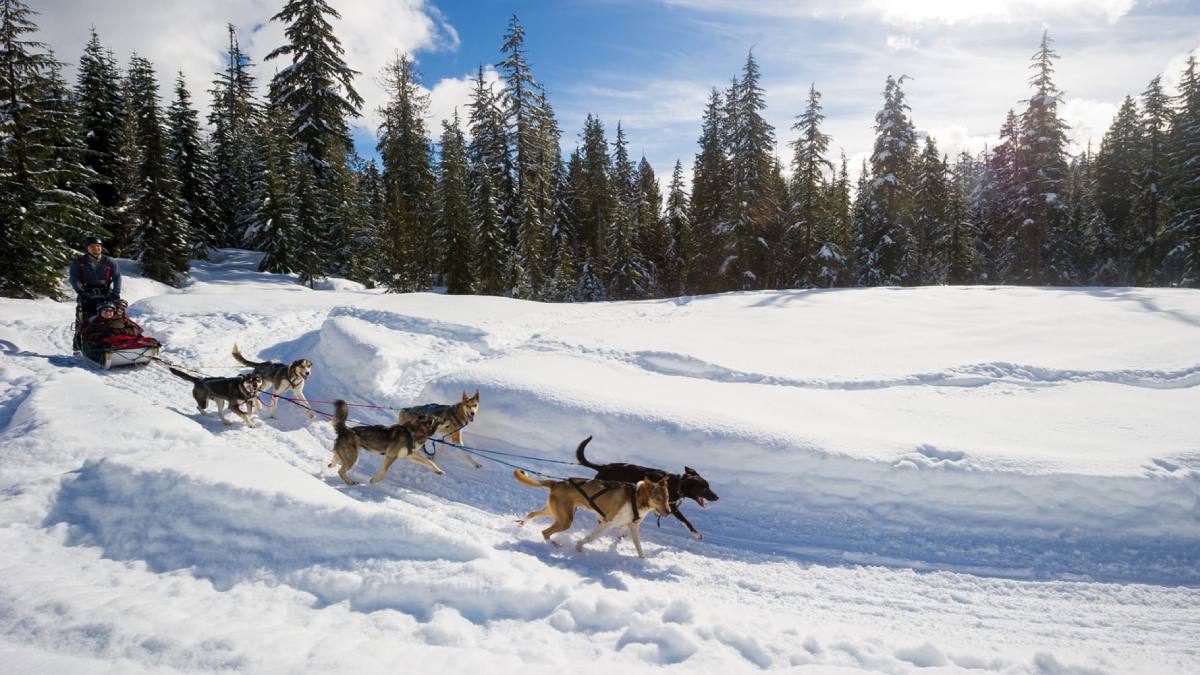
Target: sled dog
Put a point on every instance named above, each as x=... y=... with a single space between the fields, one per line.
x=236 y=391
x=280 y=377
x=398 y=441
x=689 y=484
x=453 y=417
x=618 y=505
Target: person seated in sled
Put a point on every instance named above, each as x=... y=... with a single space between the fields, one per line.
x=108 y=322
x=95 y=277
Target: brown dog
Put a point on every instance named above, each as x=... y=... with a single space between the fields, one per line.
x=617 y=504
x=393 y=442
x=453 y=416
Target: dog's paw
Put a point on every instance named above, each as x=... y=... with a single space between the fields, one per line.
x=553 y=543
x=697 y=536
x=520 y=522
x=579 y=547
x=376 y=479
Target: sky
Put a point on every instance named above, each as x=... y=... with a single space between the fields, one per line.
x=649 y=64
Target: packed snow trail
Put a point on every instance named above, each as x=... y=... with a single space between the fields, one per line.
x=137 y=535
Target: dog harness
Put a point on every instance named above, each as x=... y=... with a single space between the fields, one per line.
x=577 y=483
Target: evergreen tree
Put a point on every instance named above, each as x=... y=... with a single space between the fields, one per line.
x=525 y=126
x=598 y=201
x=653 y=238
x=408 y=181
x=454 y=215
x=277 y=234
x=1003 y=193
x=958 y=245
x=629 y=274
x=751 y=142
x=677 y=270
x=1118 y=168
x=1042 y=174
x=99 y=105
x=835 y=236
x=488 y=153
x=352 y=225
x=236 y=122
x=160 y=235
x=884 y=211
x=309 y=199
x=1152 y=209
x=930 y=215
x=1183 y=231
x=711 y=190
x=317 y=86
x=193 y=168
x=808 y=188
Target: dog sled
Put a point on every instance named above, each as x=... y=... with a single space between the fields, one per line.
x=121 y=350
x=113 y=351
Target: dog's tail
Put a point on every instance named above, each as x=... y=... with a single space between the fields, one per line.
x=584 y=460
x=340 y=412
x=237 y=356
x=532 y=482
x=179 y=373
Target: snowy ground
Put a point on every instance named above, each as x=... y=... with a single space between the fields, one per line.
x=930 y=480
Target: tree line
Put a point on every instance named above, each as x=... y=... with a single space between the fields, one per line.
x=492 y=207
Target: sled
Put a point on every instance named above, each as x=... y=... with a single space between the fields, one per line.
x=120 y=351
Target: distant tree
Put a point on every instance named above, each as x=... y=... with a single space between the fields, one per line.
x=99 y=107
x=454 y=213
x=931 y=212
x=236 y=120
x=1182 y=261
x=1118 y=168
x=677 y=269
x=884 y=211
x=808 y=212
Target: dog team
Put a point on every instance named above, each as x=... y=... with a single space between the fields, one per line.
x=621 y=495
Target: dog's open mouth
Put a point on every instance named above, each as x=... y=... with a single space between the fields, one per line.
x=703 y=502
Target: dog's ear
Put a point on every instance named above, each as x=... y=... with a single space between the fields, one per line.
x=476 y=396
x=464 y=398
x=688 y=469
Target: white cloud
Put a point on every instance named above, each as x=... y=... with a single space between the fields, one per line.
x=1088 y=121
x=994 y=11
x=452 y=93
x=902 y=42
x=954 y=139
x=1174 y=70
x=910 y=12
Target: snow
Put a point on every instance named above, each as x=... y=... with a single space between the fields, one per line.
x=943 y=480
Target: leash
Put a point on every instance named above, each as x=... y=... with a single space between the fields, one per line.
x=473 y=450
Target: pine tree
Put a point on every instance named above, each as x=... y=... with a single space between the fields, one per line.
x=236 y=121
x=808 y=188
x=98 y=92
x=488 y=153
x=309 y=199
x=193 y=168
x=930 y=216
x=1182 y=263
x=958 y=245
x=277 y=234
x=1002 y=194
x=354 y=231
x=160 y=236
x=677 y=271
x=629 y=274
x=1152 y=209
x=1118 y=165
x=750 y=141
x=408 y=181
x=1042 y=174
x=524 y=120
x=597 y=203
x=884 y=212
x=653 y=238
x=835 y=236
x=317 y=86
x=45 y=201
x=454 y=216
x=711 y=190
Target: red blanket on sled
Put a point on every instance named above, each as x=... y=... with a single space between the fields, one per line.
x=128 y=342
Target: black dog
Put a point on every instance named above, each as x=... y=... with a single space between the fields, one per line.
x=690 y=484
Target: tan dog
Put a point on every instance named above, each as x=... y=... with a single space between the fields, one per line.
x=280 y=377
x=617 y=504
x=453 y=416
x=393 y=442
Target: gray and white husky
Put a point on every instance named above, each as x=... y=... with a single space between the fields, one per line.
x=280 y=377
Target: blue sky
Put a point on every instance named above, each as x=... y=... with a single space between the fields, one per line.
x=650 y=63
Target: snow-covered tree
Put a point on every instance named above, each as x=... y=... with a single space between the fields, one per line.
x=884 y=211
x=931 y=207
x=236 y=121
x=1182 y=261
x=807 y=211
x=161 y=237
x=454 y=213
x=1116 y=235
x=99 y=107
x=677 y=271
x=193 y=169
x=711 y=192
x=488 y=161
